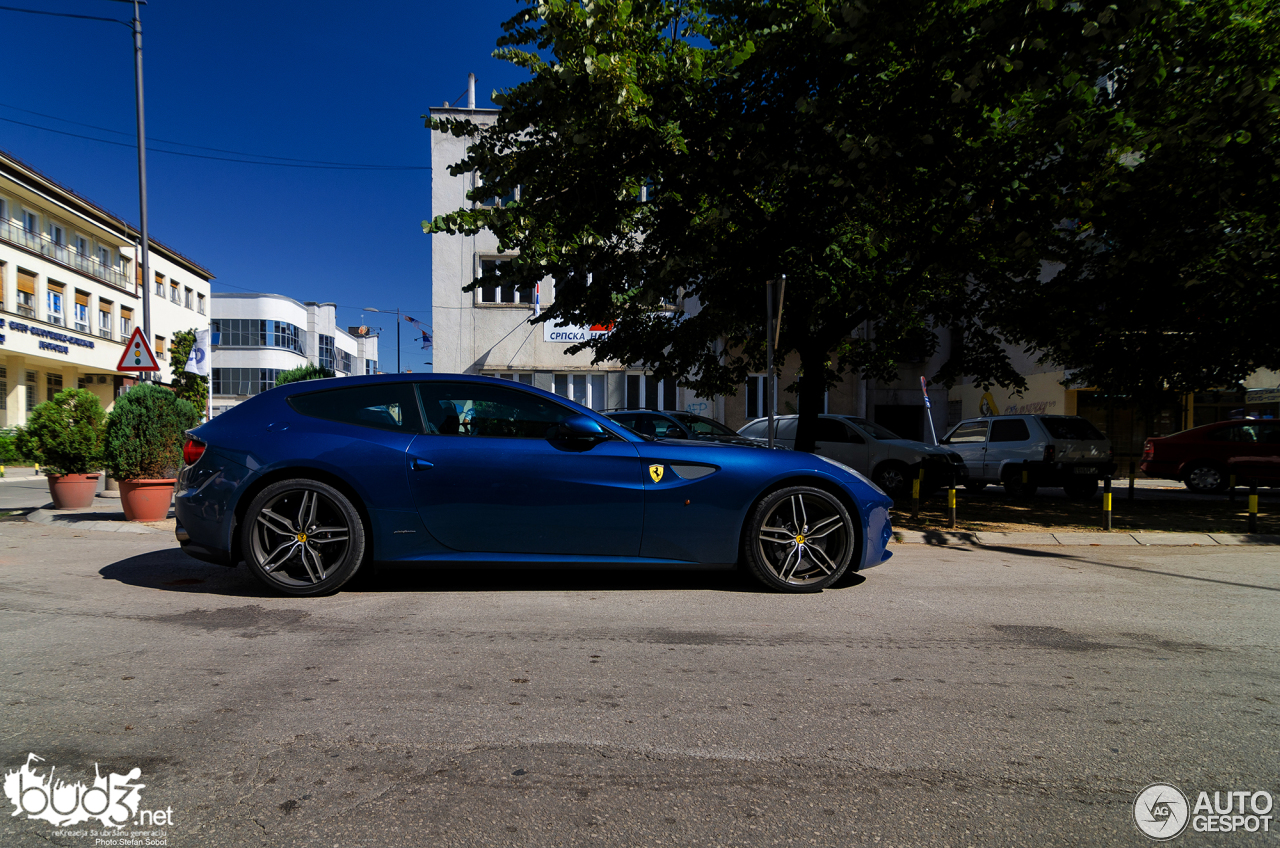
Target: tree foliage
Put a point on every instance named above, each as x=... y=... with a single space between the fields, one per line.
x=189 y=386
x=303 y=372
x=145 y=433
x=65 y=433
x=905 y=164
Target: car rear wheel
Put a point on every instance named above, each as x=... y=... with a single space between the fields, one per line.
x=303 y=537
x=1206 y=478
x=1014 y=486
x=799 y=539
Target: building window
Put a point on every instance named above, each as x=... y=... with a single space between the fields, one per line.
x=496 y=292
x=4 y=210
x=755 y=397
x=53 y=304
x=103 y=256
x=26 y=294
x=160 y=352
x=31 y=391
x=187 y=299
x=104 y=319
x=30 y=222
x=173 y=292
x=586 y=389
x=644 y=391
x=527 y=379
x=57 y=234
x=159 y=285
x=326 y=352
x=243 y=381
x=126 y=323
x=53 y=384
x=371 y=366
x=82 y=311
x=200 y=303
x=493 y=200
x=344 y=361
x=4 y=372
x=253 y=332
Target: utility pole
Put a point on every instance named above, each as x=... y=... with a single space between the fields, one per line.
x=144 y=255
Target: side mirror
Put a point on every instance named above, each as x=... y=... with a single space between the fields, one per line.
x=580 y=427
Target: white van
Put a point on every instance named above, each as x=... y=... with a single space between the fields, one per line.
x=1052 y=450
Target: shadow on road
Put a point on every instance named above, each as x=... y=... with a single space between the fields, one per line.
x=174 y=571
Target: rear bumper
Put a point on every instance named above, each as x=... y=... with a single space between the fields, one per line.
x=1060 y=473
x=940 y=472
x=201 y=552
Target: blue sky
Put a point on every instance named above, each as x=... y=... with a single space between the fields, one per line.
x=321 y=81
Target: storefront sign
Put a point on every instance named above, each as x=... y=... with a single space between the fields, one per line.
x=570 y=334
x=1254 y=396
x=41 y=332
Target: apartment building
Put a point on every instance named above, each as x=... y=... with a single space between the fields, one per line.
x=71 y=294
x=257 y=336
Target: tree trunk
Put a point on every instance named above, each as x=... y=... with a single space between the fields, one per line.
x=813 y=367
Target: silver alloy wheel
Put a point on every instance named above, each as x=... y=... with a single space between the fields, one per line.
x=891 y=479
x=300 y=537
x=804 y=538
x=1205 y=478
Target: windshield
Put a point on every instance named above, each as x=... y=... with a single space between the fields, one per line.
x=702 y=426
x=875 y=430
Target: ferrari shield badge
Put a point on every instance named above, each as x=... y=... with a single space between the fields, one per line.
x=655 y=471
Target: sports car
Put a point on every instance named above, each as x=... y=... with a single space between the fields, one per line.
x=309 y=482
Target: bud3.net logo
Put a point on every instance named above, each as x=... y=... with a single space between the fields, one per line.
x=112 y=800
x=1161 y=811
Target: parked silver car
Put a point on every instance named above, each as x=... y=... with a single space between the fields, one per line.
x=891 y=461
x=1043 y=450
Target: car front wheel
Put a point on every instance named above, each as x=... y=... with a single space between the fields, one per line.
x=302 y=537
x=799 y=539
x=894 y=479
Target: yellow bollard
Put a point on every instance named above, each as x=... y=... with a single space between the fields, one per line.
x=951 y=505
x=1106 y=503
x=1253 y=507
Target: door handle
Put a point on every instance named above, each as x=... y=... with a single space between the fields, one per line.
x=417 y=464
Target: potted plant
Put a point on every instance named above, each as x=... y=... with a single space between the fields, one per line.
x=144 y=448
x=65 y=435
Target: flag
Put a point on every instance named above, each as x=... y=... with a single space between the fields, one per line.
x=426 y=336
x=198 y=359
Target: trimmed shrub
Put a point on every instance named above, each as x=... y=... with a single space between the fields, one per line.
x=9 y=453
x=145 y=432
x=304 y=372
x=65 y=433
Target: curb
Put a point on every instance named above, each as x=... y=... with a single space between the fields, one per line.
x=90 y=519
x=1036 y=540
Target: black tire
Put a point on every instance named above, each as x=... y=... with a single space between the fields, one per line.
x=1081 y=490
x=893 y=478
x=1207 y=478
x=799 y=539
x=974 y=488
x=1014 y=486
x=302 y=537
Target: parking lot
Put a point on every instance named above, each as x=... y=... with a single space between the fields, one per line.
x=952 y=696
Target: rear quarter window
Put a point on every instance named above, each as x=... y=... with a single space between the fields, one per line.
x=1072 y=429
x=382 y=406
x=1012 y=430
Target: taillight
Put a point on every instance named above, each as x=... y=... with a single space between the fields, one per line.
x=1148 y=450
x=1049 y=453
x=192 y=451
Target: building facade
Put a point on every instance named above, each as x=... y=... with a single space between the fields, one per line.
x=71 y=294
x=256 y=337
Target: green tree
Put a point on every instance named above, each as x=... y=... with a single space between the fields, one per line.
x=145 y=433
x=65 y=433
x=304 y=372
x=897 y=161
x=189 y=386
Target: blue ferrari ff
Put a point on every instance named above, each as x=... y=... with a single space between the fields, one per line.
x=309 y=481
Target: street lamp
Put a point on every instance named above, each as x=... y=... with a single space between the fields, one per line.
x=397 y=312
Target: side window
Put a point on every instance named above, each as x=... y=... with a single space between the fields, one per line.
x=1270 y=434
x=755 y=430
x=1234 y=433
x=974 y=431
x=386 y=406
x=1010 y=430
x=786 y=429
x=668 y=429
x=465 y=409
x=831 y=430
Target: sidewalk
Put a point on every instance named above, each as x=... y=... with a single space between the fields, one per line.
x=105 y=515
x=1035 y=540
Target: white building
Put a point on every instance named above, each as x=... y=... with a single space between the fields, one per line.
x=487 y=331
x=70 y=294
x=258 y=336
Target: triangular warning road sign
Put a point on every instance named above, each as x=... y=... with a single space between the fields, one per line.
x=137 y=354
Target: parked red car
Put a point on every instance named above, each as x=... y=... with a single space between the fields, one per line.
x=1205 y=457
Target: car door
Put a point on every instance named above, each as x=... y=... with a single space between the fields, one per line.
x=969 y=439
x=1010 y=441
x=490 y=475
x=1256 y=452
x=840 y=442
x=1269 y=451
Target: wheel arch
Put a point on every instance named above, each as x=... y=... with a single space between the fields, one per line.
x=299 y=473
x=859 y=531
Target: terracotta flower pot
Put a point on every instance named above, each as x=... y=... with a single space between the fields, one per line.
x=73 y=491
x=146 y=500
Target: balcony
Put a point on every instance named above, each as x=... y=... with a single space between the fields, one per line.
x=63 y=255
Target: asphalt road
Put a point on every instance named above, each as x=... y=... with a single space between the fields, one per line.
x=949 y=697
